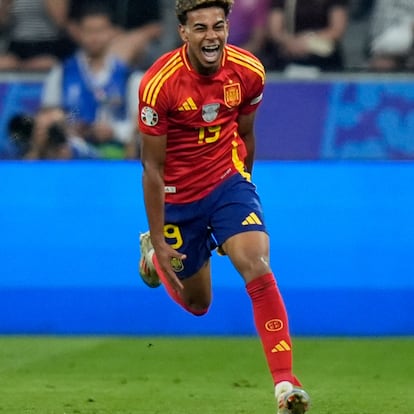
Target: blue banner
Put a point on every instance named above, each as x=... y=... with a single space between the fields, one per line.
x=337 y=120
x=342 y=241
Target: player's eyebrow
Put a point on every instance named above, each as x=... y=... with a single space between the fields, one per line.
x=203 y=25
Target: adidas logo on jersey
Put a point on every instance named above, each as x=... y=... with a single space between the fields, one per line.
x=251 y=219
x=188 y=105
x=282 y=346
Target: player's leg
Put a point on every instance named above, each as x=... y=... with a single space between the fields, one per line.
x=196 y=296
x=238 y=226
x=197 y=290
x=249 y=252
x=192 y=238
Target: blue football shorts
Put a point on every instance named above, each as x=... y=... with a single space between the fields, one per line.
x=197 y=228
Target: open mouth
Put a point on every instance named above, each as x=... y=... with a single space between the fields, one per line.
x=211 y=53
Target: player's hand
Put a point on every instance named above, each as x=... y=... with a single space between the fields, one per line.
x=165 y=254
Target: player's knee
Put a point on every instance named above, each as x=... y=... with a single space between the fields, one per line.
x=253 y=268
x=199 y=309
x=199 y=312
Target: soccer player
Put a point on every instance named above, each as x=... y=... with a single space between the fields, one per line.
x=196 y=116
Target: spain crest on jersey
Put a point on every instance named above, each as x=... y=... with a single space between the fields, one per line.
x=177 y=264
x=232 y=95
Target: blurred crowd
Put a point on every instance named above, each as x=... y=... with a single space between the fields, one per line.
x=93 y=54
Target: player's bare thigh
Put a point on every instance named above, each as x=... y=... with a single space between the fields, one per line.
x=197 y=288
x=249 y=253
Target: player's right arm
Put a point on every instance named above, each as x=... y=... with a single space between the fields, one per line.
x=153 y=153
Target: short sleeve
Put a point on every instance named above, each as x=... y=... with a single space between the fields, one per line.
x=254 y=92
x=152 y=116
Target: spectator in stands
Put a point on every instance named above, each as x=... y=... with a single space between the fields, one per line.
x=92 y=87
x=248 y=24
x=138 y=28
x=36 y=34
x=360 y=9
x=20 y=129
x=355 y=41
x=170 y=38
x=306 y=33
x=52 y=140
x=392 y=26
x=45 y=136
x=5 y=6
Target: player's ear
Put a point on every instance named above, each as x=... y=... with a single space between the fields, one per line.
x=183 y=33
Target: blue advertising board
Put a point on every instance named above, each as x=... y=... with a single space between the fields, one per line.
x=342 y=243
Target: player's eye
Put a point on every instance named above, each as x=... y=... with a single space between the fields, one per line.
x=199 y=29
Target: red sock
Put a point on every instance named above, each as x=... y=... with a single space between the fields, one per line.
x=176 y=297
x=272 y=326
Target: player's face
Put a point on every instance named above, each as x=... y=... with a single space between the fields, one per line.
x=205 y=33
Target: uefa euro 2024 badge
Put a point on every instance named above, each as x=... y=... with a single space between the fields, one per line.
x=149 y=116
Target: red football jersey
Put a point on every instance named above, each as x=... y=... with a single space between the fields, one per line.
x=198 y=114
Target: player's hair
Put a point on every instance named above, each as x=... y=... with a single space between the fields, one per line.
x=182 y=7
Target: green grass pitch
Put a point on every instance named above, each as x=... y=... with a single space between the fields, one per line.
x=134 y=375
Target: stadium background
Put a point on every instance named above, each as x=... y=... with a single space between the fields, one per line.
x=336 y=182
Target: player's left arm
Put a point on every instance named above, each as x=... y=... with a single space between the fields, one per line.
x=246 y=132
x=255 y=77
